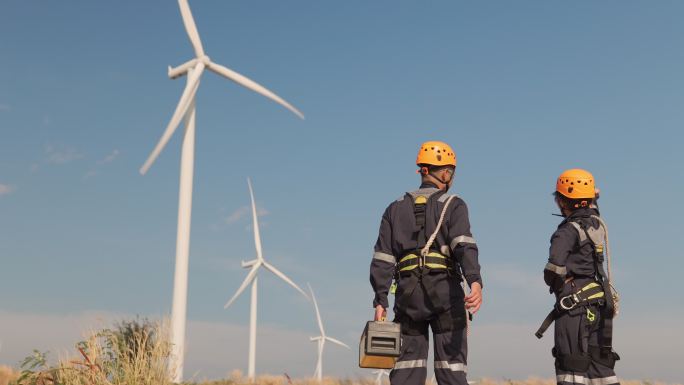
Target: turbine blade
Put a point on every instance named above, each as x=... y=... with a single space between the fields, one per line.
x=318 y=314
x=252 y=85
x=337 y=342
x=255 y=221
x=284 y=278
x=245 y=283
x=181 y=109
x=190 y=27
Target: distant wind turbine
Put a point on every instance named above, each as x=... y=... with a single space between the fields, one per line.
x=186 y=110
x=252 y=278
x=318 y=374
x=379 y=374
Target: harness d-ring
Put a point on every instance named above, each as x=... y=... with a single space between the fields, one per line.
x=572 y=298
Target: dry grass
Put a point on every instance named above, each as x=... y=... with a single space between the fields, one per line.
x=138 y=354
x=551 y=381
x=237 y=379
x=8 y=375
x=137 y=357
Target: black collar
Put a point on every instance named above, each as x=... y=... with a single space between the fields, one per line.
x=584 y=212
x=428 y=185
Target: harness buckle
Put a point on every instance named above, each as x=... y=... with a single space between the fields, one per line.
x=574 y=300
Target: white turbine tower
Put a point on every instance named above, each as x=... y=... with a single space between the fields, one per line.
x=318 y=374
x=186 y=110
x=379 y=374
x=252 y=278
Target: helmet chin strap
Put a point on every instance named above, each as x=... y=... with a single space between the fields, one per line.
x=426 y=171
x=445 y=183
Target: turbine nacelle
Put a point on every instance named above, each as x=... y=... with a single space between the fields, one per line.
x=250 y=263
x=181 y=70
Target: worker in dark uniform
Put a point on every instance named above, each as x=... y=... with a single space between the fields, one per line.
x=585 y=300
x=425 y=245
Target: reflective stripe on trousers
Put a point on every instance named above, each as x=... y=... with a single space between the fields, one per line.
x=455 y=367
x=410 y=364
x=577 y=379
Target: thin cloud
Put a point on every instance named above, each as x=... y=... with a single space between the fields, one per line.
x=61 y=154
x=243 y=211
x=109 y=158
x=5 y=107
x=6 y=189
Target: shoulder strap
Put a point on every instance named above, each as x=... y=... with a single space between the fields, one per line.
x=419 y=205
x=580 y=231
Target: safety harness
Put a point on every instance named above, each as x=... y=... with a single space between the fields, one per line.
x=600 y=293
x=421 y=260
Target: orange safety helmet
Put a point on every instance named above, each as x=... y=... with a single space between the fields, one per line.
x=576 y=184
x=436 y=153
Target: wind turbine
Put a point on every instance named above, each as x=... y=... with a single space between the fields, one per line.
x=379 y=374
x=186 y=110
x=252 y=278
x=318 y=374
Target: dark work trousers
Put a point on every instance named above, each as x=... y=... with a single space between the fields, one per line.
x=575 y=331
x=450 y=350
x=448 y=332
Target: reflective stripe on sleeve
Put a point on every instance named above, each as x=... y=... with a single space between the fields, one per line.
x=455 y=367
x=410 y=364
x=461 y=239
x=560 y=270
x=384 y=257
x=572 y=379
x=604 y=381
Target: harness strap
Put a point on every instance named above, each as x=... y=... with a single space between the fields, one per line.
x=553 y=315
x=419 y=206
x=590 y=294
x=432 y=260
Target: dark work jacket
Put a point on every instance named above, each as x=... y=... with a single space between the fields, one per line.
x=396 y=239
x=568 y=257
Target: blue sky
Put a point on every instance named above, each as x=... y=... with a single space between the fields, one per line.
x=521 y=90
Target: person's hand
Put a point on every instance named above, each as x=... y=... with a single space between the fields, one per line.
x=380 y=313
x=473 y=301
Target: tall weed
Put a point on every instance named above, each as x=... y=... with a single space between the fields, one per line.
x=133 y=353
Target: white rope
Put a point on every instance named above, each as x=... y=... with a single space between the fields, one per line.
x=616 y=297
x=426 y=249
